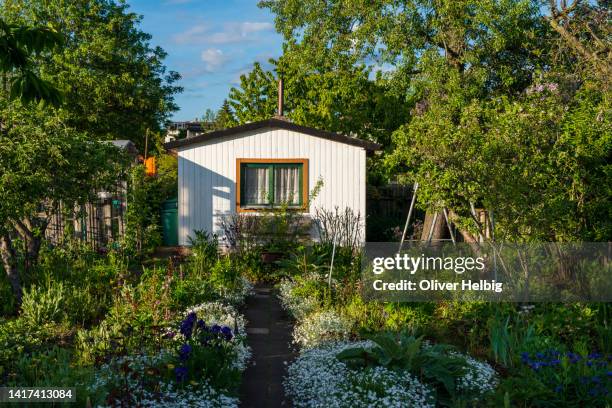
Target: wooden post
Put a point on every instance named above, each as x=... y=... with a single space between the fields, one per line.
x=414 y=191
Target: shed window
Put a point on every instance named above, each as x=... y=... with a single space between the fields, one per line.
x=266 y=184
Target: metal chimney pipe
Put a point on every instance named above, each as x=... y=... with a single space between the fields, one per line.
x=280 y=97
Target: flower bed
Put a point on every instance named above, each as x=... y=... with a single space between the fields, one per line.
x=321 y=326
x=386 y=369
x=318 y=379
x=199 y=365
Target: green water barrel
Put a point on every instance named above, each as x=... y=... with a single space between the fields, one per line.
x=169 y=220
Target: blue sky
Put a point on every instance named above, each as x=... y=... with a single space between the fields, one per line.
x=210 y=43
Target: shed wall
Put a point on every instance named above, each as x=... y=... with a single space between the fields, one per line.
x=207 y=174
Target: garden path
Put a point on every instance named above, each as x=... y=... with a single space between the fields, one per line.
x=269 y=335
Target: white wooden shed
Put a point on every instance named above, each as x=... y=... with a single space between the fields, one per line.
x=257 y=165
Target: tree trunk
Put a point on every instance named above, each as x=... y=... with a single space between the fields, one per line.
x=33 y=241
x=438 y=229
x=7 y=253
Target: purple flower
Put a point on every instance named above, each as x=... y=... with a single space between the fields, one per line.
x=227 y=332
x=216 y=329
x=181 y=374
x=184 y=352
x=186 y=328
x=201 y=324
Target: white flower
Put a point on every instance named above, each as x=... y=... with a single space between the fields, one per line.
x=318 y=379
x=320 y=327
x=479 y=378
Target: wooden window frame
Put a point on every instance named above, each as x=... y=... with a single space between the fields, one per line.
x=304 y=187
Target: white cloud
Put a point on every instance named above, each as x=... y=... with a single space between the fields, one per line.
x=213 y=59
x=254 y=27
x=195 y=34
x=231 y=33
x=238 y=32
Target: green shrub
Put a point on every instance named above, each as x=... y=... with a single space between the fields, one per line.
x=44 y=304
x=191 y=290
x=19 y=337
x=204 y=250
x=94 y=344
x=224 y=273
x=53 y=368
x=554 y=378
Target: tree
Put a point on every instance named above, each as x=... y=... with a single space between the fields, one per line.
x=497 y=107
x=114 y=82
x=225 y=117
x=114 y=85
x=335 y=97
x=17 y=46
x=44 y=163
x=584 y=30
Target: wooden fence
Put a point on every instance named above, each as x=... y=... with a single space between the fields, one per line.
x=100 y=223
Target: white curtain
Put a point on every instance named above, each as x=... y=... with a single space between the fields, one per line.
x=256 y=186
x=286 y=185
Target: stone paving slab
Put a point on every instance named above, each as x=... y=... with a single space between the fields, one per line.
x=269 y=335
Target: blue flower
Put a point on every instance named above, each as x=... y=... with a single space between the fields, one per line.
x=536 y=365
x=227 y=332
x=216 y=329
x=201 y=324
x=525 y=356
x=184 y=352
x=558 y=388
x=186 y=328
x=539 y=355
x=596 y=379
x=609 y=373
x=595 y=356
x=181 y=374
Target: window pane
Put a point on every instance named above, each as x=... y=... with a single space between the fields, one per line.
x=256 y=186
x=287 y=185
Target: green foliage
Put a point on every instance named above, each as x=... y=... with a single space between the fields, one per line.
x=114 y=82
x=19 y=337
x=146 y=195
x=7 y=306
x=400 y=351
x=204 y=250
x=320 y=94
x=142 y=232
x=552 y=378
x=224 y=273
x=37 y=147
x=18 y=44
x=44 y=304
x=506 y=94
x=53 y=368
